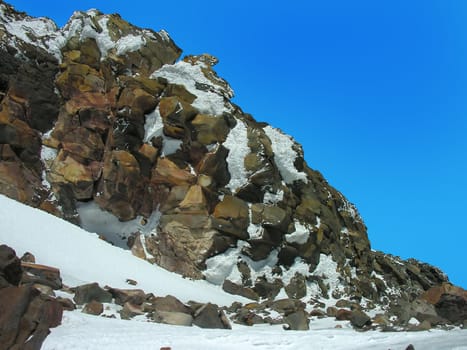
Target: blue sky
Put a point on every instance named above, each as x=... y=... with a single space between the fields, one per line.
x=375 y=91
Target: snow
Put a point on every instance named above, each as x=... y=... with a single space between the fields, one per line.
x=300 y=235
x=273 y=198
x=81 y=331
x=208 y=101
x=154 y=127
x=43 y=32
x=298 y=267
x=96 y=220
x=284 y=155
x=48 y=154
x=224 y=266
x=129 y=43
x=83 y=258
x=237 y=144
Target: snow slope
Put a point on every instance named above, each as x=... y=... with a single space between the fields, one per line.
x=83 y=257
x=81 y=331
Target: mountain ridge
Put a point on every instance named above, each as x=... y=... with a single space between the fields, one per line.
x=103 y=118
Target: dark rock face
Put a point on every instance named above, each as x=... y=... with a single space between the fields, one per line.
x=10 y=267
x=450 y=302
x=26 y=315
x=87 y=293
x=209 y=316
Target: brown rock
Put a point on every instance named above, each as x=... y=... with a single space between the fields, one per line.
x=10 y=267
x=175 y=114
x=138 y=100
x=210 y=316
x=84 y=143
x=297 y=321
x=231 y=216
x=287 y=306
x=42 y=274
x=236 y=289
x=121 y=185
x=28 y=258
x=433 y=295
x=343 y=315
x=173 y=318
x=331 y=311
x=359 y=319
x=209 y=129
x=132 y=296
x=194 y=202
x=89 y=292
x=297 y=287
x=168 y=172
x=449 y=301
x=269 y=215
x=214 y=165
x=182 y=247
x=19 y=182
x=93 y=308
x=67 y=171
x=130 y=310
x=67 y=304
x=26 y=317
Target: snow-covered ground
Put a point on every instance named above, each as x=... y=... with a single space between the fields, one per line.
x=82 y=257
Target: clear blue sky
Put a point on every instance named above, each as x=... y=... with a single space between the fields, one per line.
x=376 y=91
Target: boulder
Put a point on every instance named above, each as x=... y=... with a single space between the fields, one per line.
x=233 y=288
x=121 y=185
x=130 y=310
x=287 y=306
x=172 y=318
x=168 y=303
x=167 y=172
x=210 y=316
x=231 y=216
x=452 y=307
x=296 y=289
x=93 y=308
x=450 y=302
x=297 y=321
x=67 y=304
x=175 y=113
x=66 y=170
x=209 y=129
x=10 y=267
x=26 y=317
x=42 y=274
x=89 y=292
x=133 y=296
x=359 y=319
x=343 y=315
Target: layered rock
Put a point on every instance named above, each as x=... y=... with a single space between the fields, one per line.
x=201 y=188
x=26 y=314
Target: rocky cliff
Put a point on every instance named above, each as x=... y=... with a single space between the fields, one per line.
x=102 y=124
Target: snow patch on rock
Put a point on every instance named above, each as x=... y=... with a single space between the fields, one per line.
x=96 y=220
x=209 y=99
x=237 y=144
x=154 y=127
x=300 y=235
x=284 y=155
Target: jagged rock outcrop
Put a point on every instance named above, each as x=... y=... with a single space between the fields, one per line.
x=26 y=314
x=100 y=116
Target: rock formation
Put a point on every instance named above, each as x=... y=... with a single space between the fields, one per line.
x=100 y=119
x=26 y=314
